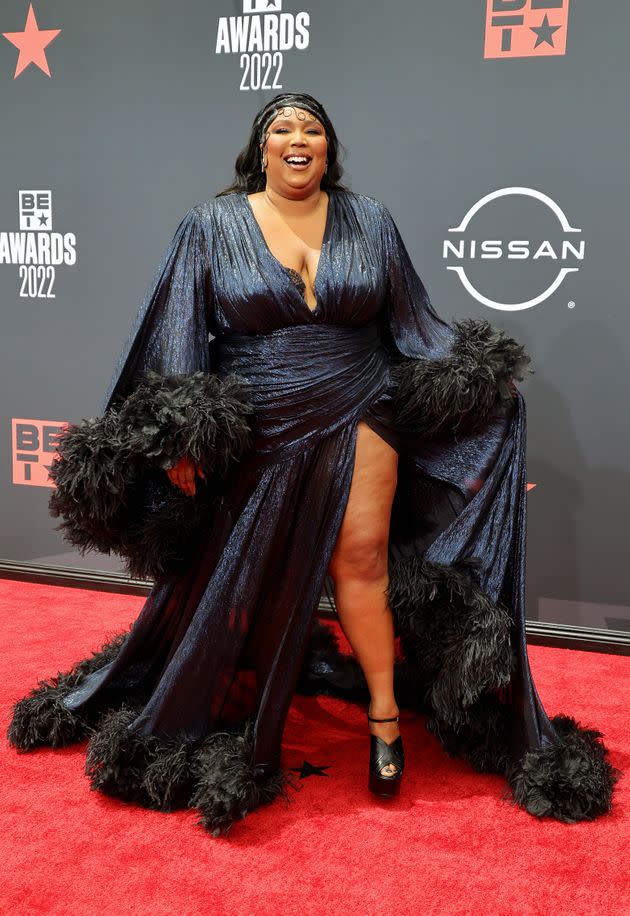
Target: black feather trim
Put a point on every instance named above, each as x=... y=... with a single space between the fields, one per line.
x=200 y=415
x=144 y=769
x=216 y=775
x=459 y=639
x=228 y=784
x=571 y=781
x=482 y=738
x=111 y=489
x=92 y=470
x=41 y=719
x=457 y=393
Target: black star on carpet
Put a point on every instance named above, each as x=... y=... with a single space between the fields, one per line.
x=544 y=32
x=307 y=769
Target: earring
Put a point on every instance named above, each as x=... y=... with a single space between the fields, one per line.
x=326 y=167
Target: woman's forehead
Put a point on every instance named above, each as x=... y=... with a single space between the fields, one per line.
x=291 y=113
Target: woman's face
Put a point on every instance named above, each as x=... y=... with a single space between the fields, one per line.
x=295 y=132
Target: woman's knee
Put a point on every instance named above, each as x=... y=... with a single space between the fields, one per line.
x=364 y=559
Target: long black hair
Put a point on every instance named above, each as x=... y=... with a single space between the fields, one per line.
x=248 y=174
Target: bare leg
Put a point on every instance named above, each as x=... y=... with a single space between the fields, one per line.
x=358 y=568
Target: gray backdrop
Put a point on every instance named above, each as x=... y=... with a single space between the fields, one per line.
x=440 y=106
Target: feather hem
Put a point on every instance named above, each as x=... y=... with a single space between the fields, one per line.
x=571 y=780
x=41 y=719
x=217 y=775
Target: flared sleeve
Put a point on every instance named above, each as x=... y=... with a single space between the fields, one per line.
x=415 y=329
x=449 y=376
x=172 y=328
x=164 y=402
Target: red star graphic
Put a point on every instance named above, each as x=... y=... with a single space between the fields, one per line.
x=31 y=43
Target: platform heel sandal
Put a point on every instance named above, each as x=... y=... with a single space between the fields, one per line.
x=382 y=753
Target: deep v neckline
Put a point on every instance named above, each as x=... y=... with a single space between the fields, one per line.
x=285 y=270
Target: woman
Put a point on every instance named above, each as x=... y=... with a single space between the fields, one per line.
x=335 y=430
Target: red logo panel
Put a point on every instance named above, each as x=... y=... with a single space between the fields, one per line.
x=526 y=28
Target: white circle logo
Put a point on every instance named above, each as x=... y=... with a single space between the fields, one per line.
x=471 y=250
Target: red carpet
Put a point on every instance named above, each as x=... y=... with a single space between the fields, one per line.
x=450 y=844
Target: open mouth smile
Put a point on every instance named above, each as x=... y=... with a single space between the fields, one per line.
x=298 y=162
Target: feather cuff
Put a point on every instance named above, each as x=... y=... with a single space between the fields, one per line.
x=110 y=486
x=456 y=394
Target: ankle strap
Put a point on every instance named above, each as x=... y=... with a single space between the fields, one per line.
x=393 y=719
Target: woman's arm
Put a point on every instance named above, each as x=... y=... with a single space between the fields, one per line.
x=449 y=377
x=166 y=416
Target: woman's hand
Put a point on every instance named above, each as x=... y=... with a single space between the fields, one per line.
x=182 y=474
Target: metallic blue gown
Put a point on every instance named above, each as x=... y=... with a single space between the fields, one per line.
x=228 y=639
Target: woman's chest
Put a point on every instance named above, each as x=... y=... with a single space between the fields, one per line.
x=254 y=292
x=296 y=245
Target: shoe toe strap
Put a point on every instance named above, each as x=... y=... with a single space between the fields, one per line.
x=384 y=754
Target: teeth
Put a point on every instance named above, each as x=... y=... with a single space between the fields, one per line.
x=298 y=159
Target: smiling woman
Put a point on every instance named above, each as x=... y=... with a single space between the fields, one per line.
x=292 y=211
x=346 y=435
x=294 y=134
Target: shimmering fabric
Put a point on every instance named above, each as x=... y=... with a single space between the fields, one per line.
x=227 y=639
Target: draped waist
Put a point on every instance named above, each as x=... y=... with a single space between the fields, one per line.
x=306 y=381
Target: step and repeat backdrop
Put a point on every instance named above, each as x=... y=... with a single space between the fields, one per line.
x=494 y=130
